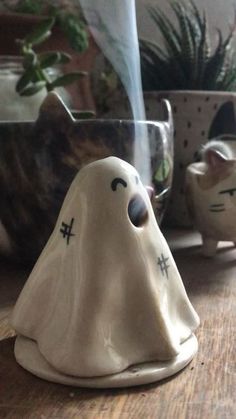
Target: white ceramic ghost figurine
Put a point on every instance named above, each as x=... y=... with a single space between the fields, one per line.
x=105 y=305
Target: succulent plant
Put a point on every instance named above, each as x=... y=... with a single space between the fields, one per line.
x=67 y=13
x=188 y=61
x=36 y=76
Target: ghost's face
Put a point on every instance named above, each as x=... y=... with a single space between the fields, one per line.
x=137 y=209
x=112 y=191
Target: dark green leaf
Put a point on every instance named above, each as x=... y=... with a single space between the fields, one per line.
x=33 y=88
x=24 y=80
x=30 y=59
x=64 y=58
x=49 y=59
x=75 y=31
x=187 y=60
x=34 y=7
x=41 y=33
x=67 y=79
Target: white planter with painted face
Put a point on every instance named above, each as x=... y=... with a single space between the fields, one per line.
x=211 y=199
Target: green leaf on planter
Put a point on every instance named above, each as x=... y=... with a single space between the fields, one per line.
x=29 y=60
x=67 y=79
x=33 y=88
x=48 y=59
x=64 y=58
x=74 y=29
x=42 y=32
x=24 y=80
x=162 y=171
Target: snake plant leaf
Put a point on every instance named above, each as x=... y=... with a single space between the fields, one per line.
x=33 y=88
x=42 y=32
x=172 y=41
x=153 y=65
x=67 y=79
x=215 y=64
x=187 y=60
x=204 y=48
x=229 y=80
x=186 y=40
x=167 y=29
x=163 y=22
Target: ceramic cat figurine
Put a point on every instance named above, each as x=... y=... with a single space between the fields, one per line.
x=211 y=195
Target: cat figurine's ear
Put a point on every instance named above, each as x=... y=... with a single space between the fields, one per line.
x=214 y=158
x=53 y=108
x=216 y=154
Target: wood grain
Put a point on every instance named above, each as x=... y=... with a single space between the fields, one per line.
x=204 y=389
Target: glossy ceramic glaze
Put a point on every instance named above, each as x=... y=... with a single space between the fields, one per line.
x=105 y=305
x=211 y=198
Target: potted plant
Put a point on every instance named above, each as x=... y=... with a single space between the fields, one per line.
x=69 y=34
x=198 y=78
x=39 y=158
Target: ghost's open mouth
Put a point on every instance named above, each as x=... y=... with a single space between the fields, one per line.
x=137 y=211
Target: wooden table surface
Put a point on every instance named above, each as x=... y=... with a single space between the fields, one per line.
x=205 y=389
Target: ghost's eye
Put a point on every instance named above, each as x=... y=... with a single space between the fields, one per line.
x=228 y=191
x=116 y=182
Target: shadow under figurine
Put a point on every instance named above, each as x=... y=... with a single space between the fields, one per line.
x=211 y=195
x=105 y=305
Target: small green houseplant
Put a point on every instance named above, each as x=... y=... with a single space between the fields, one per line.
x=36 y=76
x=188 y=60
x=46 y=64
x=67 y=14
x=199 y=79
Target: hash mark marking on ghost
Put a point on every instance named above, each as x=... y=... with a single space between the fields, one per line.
x=163 y=265
x=66 y=230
